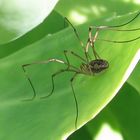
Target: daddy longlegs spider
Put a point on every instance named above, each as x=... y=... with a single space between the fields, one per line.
x=88 y=66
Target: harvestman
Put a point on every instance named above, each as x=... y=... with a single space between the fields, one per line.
x=88 y=66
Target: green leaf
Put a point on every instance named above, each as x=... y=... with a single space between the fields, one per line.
x=90 y=10
x=120 y=119
x=18 y=17
x=54 y=118
x=34 y=35
x=134 y=78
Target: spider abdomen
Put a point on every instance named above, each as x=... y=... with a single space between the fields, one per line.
x=98 y=65
x=94 y=66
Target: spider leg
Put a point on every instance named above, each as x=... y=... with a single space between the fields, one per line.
x=119 y=41
x=92 y=41
x=103 y=28
x=107 y=40
x=75 y=31
x=74 y=54
x=138 y=13
x=30 y=82
x=53 y=76
x=77 y=35
x=36 y=63
x=94 y=52
x=114 y=27
x=86 y=50
x=123 y=24
x=65 y=53
x=75 y=99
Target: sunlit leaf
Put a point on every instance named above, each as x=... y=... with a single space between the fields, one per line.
x=90 y=10
x=34 y=35
x=54 y=118
x=19 y=16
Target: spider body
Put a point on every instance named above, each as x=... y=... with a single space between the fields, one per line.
x=94 y=66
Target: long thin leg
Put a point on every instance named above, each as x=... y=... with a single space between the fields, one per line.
x=75 y=31
x=94 y=52
x=113 y=41
x=114 y=27
x=40 y=62
x=65 y=53
x=86 y=50
x=74 y=54
x=123 y=24
x=121 y=41
x=34 y=92
x=53 y=76
x=77 y=35
x=75 y=99
x=102 y=28
x=92 y=42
